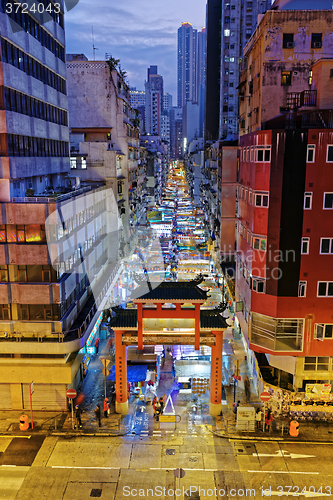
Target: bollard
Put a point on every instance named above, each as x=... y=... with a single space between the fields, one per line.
x=24 y=423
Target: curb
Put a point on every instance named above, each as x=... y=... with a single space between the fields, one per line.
x=288 y=438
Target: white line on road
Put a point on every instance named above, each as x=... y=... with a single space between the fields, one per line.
x=10 y=436
x=79 y=467
x=8 y=465
x=282 y=453
x=281 y=472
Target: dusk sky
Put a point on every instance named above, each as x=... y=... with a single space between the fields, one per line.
x=138 y=32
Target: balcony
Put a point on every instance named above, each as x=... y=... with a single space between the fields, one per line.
x=296 y=100
x=277 y=335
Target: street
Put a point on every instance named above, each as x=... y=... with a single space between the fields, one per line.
x=143 y=466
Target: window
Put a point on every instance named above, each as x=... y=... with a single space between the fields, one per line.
x=328 y=201
x=227 y=20
x=261 y=200
x=307 y=201
x=3 y=273
x=305 y=247
x=251 y=154
x=323 y=331
x=5 y=312
x=258 y=285
x=285 y=77
x=316 y=41
x=325 y=289
x=226 y=32
x=288 y=41
x=326 y=245
x=329 y=154
x=316 y=363
x=259 y=243
x=263 y=153
x=302 y=288
x=250 y=196
x=310 y=155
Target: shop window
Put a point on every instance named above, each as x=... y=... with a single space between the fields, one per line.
x=326 y=245
x=310 y=155
x=302 y=289
x=325 y=289
x=323 y=331
x=307 y=201
x=285 y=78
x=305 y=246
x=328 y=201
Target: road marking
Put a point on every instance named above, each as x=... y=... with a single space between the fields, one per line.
x=282 y=472
x=10 y=436
x=8 y=465
x=282 y=453
x=170 y=468
x=79 y=467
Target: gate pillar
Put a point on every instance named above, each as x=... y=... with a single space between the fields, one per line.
x=121 y=375
x=215 y=406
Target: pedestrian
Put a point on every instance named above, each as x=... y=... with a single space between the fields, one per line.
x=258 y=417
x=235 y=409
x=158 y=409
x=98 y=415
x=268 y=420
x=113 y=391
x=162 y=403
x=97 y=345
x=106 y=407
x=78 y=413
x=154 y=403
x=247 y=388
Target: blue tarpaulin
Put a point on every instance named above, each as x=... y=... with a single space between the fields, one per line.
x=135 y=373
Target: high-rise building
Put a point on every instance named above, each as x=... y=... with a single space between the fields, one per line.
x=230 y=24
x=137 y=97
x=201 y=78
x=187 y=64
x=154 y=101
x=167 y=102
x=46 y=311
x=238 y=22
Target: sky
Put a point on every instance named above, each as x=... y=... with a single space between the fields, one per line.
x=138 y=32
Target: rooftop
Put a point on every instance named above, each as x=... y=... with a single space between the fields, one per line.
x=172 y=291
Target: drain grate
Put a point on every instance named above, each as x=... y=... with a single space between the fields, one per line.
x=170 y=451
x=96 y=493
x=193 y=459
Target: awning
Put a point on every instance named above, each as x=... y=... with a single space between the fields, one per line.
x=120 y=202
x=135 y=373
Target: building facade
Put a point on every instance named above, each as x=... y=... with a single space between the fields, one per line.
x=154 y=101
x=187 y=65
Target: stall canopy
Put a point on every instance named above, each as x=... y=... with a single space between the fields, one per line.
x=135 y=373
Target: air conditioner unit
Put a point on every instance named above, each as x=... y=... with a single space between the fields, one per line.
x=317 y=45
x=290 y=45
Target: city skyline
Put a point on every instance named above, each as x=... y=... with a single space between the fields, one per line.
x=150 y=37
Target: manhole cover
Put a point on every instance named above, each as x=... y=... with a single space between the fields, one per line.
x=239 y=450
x=170 y=451
x=193 y=459
x=96 y=493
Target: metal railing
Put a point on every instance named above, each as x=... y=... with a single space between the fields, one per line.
x=307 y=98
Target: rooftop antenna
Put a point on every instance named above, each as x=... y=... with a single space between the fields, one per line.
x=93 y=43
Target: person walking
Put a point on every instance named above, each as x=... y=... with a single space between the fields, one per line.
x=268 y=420
x=97 y=345
x=98 y=415
x=78 y=413
x=106 y=407
x=258 y=417
x=153 y=404
x=247 y=388
x=235 y=409
x=162 y=403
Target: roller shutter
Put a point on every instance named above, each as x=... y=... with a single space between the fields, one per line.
x=5 y=397
x=50 y=397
